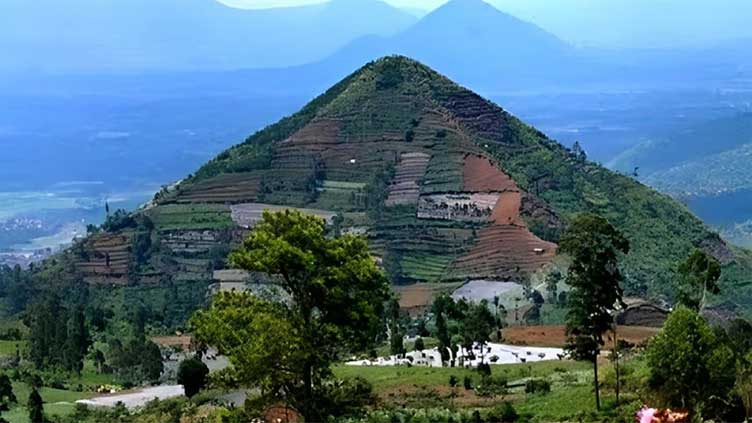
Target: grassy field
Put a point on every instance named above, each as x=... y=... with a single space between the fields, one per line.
x=59 y=402
x=8 y=348
x=191 y=216
x=56 y=402
x=385 y=378
x=570 y=399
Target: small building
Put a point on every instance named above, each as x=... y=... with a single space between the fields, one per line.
x=641 y=312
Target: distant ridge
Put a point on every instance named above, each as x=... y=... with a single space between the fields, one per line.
x=123 y=35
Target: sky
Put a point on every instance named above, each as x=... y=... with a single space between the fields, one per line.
x=262 y=4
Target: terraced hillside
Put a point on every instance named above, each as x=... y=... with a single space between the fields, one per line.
x=447 y=186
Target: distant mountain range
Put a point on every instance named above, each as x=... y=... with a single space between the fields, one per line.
x=708 y=165
x=169 y=45
x=132 y=35
x=687 y=145
x=472 y=41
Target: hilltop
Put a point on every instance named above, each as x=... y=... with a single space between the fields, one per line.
x=446 y=185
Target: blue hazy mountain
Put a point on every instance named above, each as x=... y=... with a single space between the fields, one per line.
x=93 y=35
x=469 y=40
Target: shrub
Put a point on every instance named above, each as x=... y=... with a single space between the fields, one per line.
x=444 y=354
x=409 y=135
x=345 y=397
x=537 y=386
x=192 y=375
x=503 y=413
x=467 y=382
x=453 y=381
x=492 y=386
x=419 y=344
x=484 y=369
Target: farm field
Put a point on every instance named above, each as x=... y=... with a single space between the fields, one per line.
x=246 y=215
x=554 y=336
x=570 y=398
x=416 y=298
x=8 y=348
x=171 y=217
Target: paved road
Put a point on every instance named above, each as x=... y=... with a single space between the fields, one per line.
x=137 y=398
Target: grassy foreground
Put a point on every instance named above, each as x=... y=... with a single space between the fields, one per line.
x=570 y=398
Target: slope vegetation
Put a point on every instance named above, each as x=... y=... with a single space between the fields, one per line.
x=447 y=186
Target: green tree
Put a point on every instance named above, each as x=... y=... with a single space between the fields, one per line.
x=743 y=386
x=479 y=324
x=593 y=245
x=57 y=337
x=192 y=375
x=151 y=361
x=140 y=360
x=740 y=336
x=442 y=332
x=35 y=406
x=7 y=396
x=396 y=336
x=336 y=304
x=76 y=342
x=419 y=344
x=552 y=286
x=698 y=275
x=689 y=367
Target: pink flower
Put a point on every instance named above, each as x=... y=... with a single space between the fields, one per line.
x=646 y=415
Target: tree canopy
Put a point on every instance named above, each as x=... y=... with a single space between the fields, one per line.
x=593 y=245
x=698 y=275
x=689 y=366
x=192 y=375
x=336 y=296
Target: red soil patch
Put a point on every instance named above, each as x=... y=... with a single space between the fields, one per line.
x=506 y=250
x=506 y=253
x=480 y=175
x=413 y=296
x=418 y=297
x=555 y=336
x=507 y=209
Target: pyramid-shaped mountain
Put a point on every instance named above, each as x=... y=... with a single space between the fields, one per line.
x=445 y=185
